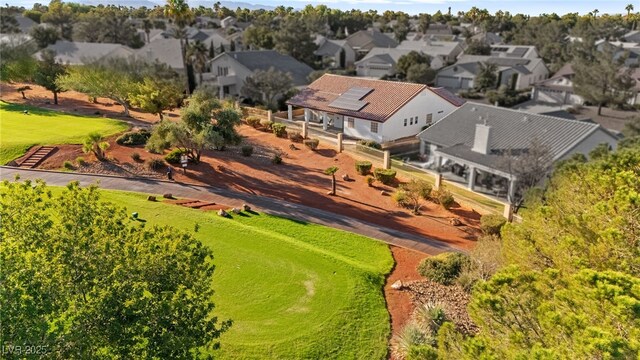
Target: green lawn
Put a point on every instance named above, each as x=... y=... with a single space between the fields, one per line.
x=19 y=132
x=294 y=290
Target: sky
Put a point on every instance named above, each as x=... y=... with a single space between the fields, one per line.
x=530 y=7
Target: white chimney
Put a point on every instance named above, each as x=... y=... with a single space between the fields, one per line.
x=482 y=140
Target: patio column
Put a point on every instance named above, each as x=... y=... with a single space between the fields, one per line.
x=386 y=159
x=221 y=92
x=472 y=177
x=305 y=130
x=339 y=141
x=324 y=120
x=306 y=116
x=512 y=190
x=422 y=147
x=270 y=115
x=290 y=112
x=438 y=181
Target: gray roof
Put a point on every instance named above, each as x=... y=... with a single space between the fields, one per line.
x=329 y=47
x=510 y=130
x=77 y=53
x=364 y=37
x=266 y=59
x=166 y=51
x=385 y=55
x=25 y=24
x=429 y=47
x=470 y=63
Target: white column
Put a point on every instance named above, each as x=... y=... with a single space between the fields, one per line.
x=221 y=92
x=422 y=147
x=386 y=161
x=508 y=212
x=472 y=177
x=438 y=181
x=324 y=120
x=306 y=115
x=339 y=140
x=512 y=191
x=290 y=112
x=270 y=115
x=305 y=130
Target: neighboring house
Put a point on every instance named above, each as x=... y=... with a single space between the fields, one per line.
x=166 y=51
x=439 y=30
x=227 y=22
x=630 y=50
x=364 y=40
x=520 y=73
x=80 y=53
x=375 y=110
x=632 y=36
x=515 y=51
x=380 y=62
x=335 y=53
x=230 y=69
x=488 y=38
x=442 y=53
x=25 y=24
x=471 y=142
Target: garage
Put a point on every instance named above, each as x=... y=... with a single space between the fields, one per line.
x=450 y=82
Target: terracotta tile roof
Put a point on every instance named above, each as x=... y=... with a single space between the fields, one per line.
x=386 y=98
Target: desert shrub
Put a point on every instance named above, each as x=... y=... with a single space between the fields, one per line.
x=484 y=260
x=134 y=138
x=247 y=150
x=443 y=268
x=155 y=164
x=311 y=143
x=507 y=97
x=412 y=338
x=266 y=125
x=363 y=167
x=370 y=180
x=443 y=197
x=279 y=130
x=370 y=143
x=491 y=224
x=253 y=121
x=157 y=144
x=400 y=198
x=136 y=157
x=174 y=156
x=431 y=315
x=295 y=136
x=68 y=165
x=385 y=176
x=80 y=161
x=276 y=158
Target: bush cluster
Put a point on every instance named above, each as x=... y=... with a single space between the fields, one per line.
x=253 y=121
x=174 y=156
x=385 y=176
x=311 y=143
x=266 y=125
x=247 y=150
x=370 y=143
x=491 y=224
x=400 y=198
x=443 y=197
x=277 y=158
x=155 y=164
x=443 y=268
x=136 y=157
x=80 y=160
x=68 y=165
x=279 y=130
x=370 y=180
x=363 y=167
x=295 y=136
x=506 y=97
x=133 y=138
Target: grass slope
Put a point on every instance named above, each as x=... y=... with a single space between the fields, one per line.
x=19 y=132
x=294 y=290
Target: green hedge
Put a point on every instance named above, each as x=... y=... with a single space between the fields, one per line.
x=311 y=143
x=253 y=121
x=133 y=138
x=363 y=167
x=279 y=130
x=491 y=224
x=385 y=176
x=174 y=156
x=443 y=268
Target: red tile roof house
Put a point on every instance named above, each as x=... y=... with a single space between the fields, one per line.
x=375 y=110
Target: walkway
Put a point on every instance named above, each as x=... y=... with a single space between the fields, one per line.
x=223 y=196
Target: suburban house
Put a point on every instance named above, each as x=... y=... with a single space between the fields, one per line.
x=166 y=51
x=80 y=53
x=632 y=36
x=380 y=62
x=442 y=53
x=364 y=40
x=230 y=69
x=488 y=38
x=335 y=53
x=472 y=142
x=515 y=51
x=520 y=73
x=443 y=32
x=370 y=109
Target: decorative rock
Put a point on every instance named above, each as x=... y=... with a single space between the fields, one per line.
x=235 y=211
x=168 y=196
x=330 y=192
x=455 y=222
x=134 y=215
x=397 y=285
x=222 y=213
x=246 y=207
x=346 y=177
x=383 y=193
x=151 y=198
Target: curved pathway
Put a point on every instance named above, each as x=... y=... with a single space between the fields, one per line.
x=232 y=198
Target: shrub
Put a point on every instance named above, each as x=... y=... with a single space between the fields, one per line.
x=277 y=158
x=68 y=165
x=174 y=156
x=370 y=180
x=400 y=198
x=80 y=161
x=363 y=167
x=133 y=138
x=443 y=197
x=491 y=224
x=311 y=143
x=247 y=150
x=410 y=339
x=385 y=176
x=266 y=125
x=443 y=268
x=279 y=130
x=253 y=121
x=370 y=143
x=431 y=315
x=155 y=164
x=295 y=136
x=506 y=97
x=136 y=157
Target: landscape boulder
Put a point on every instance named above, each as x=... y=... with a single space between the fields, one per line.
x=222 y=213
x=246 y=207
x=151 y=198
x=235 y=210
x=397 y=285
x=455 y=222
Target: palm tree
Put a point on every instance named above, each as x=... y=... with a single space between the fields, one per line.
x=181 y=15
x=629 y=9
x=332 y=171
x=146 y=23
x=93 y=143
x=595 y=13
x=197 y=55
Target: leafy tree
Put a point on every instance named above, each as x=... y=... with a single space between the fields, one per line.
x=90 y=27
x=267 y=86
x=421 y=74
x=79 y=273
x=60 y=15
x=147 y=26
x=8 y=23
x=44 y=36
x=181 y=15
x=17 y=63
x=33 y=14
x=197 y=55
x=259 y=36
x=415 y=192
x=204 y=124
x=332 y=171
x=401 y=28
x=412 y=58
x=48 y=72
x=294 y=39
x=477 y=47
x=155 y=95
x=94 y=143
x=487 y=77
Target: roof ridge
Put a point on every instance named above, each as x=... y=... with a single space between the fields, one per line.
x=375 y=80
x=595 y=125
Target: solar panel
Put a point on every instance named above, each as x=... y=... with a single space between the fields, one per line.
x=350 y=100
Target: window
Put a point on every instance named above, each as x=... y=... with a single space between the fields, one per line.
x=374 y=126
x=440 y=112
x=429 y=118
x=223 y=71
x=411 y=121
x=350 y=122
x=405 y=122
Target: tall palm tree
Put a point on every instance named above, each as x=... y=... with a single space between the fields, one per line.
x=181 y=15
x=595 y=13
x=629 y=9
x=146 y=24
x=197 y=53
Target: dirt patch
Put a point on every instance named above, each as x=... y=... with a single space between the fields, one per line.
x=399 y=302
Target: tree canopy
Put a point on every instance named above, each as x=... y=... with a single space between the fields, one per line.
x=267 y=86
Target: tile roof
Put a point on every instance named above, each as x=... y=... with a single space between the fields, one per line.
x=510 y=130
x=386 y=98
x=77 y=53
x=266 y=59
x=449 y=96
